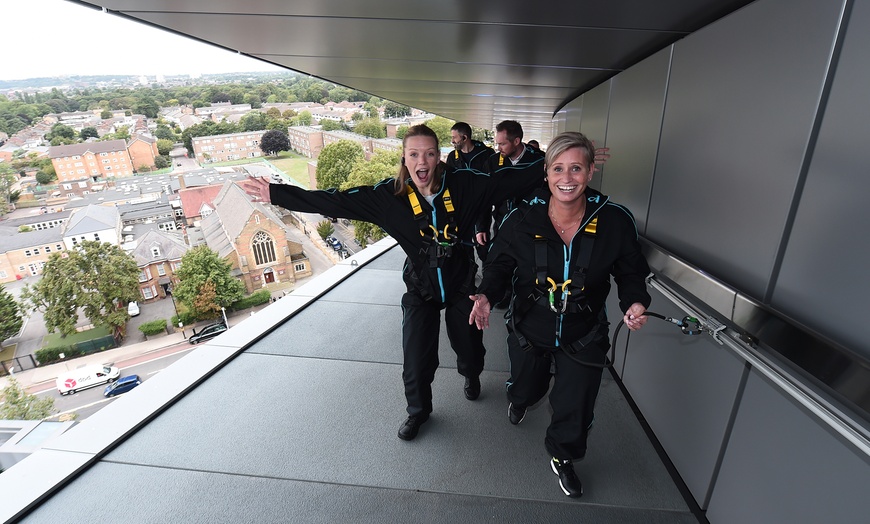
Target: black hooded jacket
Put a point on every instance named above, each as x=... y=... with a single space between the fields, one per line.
x=615 y=251
x=470 y=191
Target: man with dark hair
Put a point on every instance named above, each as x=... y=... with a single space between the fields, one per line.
x=512 y=154
x=468 y=153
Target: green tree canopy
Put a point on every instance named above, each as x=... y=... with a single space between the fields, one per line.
x=253 y=121
x=331 y=125
x=441 y=126
x=325 y=229
x=97 y=278
x=164 y=146
x=21 y=405
x=392 y=109
x=384 y=164
x=11 y=318
x=88 y=132
x=274 y=142
x=335 y=163
x=201 y=271
x=371 y=127
x=164 y=132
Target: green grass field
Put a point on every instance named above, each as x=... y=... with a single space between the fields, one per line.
x=54 y=339
x=293 y=165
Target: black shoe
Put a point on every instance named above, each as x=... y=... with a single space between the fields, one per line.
x=410 y=427
x=472 y=388
x=516 y=414
x=568 y=480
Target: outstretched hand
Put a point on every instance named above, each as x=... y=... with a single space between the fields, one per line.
x=480 y=312
x=601 y=155
x=260 y=186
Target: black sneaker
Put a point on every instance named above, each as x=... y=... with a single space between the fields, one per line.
x=568 y=480
x=472 y=388
x=516 y=414
x=411 y=426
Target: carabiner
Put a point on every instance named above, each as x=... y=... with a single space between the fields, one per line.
x=564 y=286
x=446 y=235
x=694 y=329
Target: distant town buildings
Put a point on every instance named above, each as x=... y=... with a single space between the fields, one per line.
x=221 y=148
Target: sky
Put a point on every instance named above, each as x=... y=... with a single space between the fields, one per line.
x=33 y=49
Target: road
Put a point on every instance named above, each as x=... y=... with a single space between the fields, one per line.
x=86 y=403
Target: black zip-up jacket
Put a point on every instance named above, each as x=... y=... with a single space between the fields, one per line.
x=616 y=251
x=476 y=159
x=499 y=164
x=470 y=191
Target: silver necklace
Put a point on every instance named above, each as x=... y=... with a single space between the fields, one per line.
x=560 y=226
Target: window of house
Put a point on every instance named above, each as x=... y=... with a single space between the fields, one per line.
x=48 y=249
x=264 y=249
x=36 y=251
x=257 y=219
x=2 y=273
x=74 y=241
x=67 y=186
x=58 y=247
x=27 y=253
x=299 y=267
x=155 y=252
x=34 y=269
x=146 y=292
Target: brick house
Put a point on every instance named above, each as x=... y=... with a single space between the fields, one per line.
x=158 y=256
x=94 y=160
x=254 y=240
x=143 y=151
x=222 y=148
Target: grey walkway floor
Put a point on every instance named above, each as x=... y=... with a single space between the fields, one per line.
x=301 y=427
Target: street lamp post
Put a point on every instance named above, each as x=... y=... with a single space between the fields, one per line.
x=224 y=312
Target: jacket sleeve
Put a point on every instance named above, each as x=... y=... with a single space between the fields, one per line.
x=500 y=262
x=360 y=203
x=630 y=268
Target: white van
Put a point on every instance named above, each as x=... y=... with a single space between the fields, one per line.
x=86 y=377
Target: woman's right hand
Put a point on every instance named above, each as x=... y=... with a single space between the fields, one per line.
x=480 y=312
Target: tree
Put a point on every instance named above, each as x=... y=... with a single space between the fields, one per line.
x=20 y=405
x=392 y=109
x=97 y=278
x=304 y=118
x=164 y=146
x=325 y=229
x=383 y=164
x=401 y=132
x=11 y=318
x=161 y=162
x=62 y=131
x=199 y=266
x=105 y=114
x=331 y=125
x=88 y=132
x=371 y=127
x=441 y=126
x=274 y=142
x=7 y=180
x=163 y=132
x=335 y=162
x=45 y=178
x=253 y=121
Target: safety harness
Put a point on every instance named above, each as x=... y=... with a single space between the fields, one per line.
x=438 y=245
x=554 y=296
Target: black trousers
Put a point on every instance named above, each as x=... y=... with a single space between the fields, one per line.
x=575 y=388
x=420 y=328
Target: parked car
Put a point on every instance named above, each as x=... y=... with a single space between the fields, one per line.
x=133 y=308
x=336 y=245
x=122 y=385
x=207 y=332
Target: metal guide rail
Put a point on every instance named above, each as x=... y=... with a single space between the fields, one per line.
x=792 y=386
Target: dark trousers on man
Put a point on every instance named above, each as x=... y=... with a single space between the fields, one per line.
x=421 y=325
x=572 y=398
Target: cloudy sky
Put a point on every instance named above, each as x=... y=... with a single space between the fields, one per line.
x=33 y=47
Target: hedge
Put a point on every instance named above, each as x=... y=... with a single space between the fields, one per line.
x=154 y=327
x=254 y=299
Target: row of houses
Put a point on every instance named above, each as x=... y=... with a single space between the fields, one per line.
x=158 y=225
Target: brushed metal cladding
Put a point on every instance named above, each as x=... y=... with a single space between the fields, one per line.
x=596 y=105
x=823 y=281
x=785 y=466
x=633 y=129
x=740 y=105
x=686 y=387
